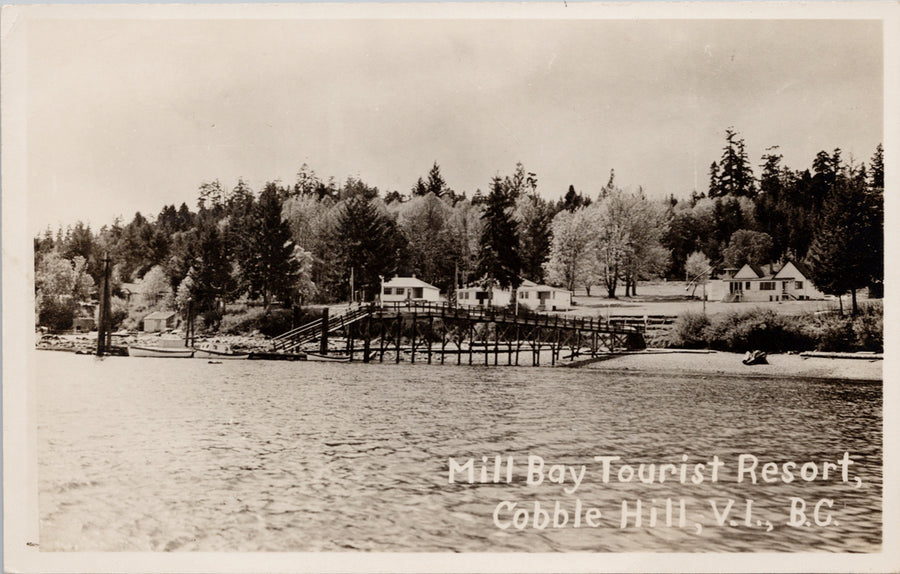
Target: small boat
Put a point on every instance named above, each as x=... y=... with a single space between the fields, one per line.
x=164 y=352
x=327 y=358
x=755 y=358
x=217 y=351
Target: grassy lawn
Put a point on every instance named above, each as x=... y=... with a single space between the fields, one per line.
x=671 y=298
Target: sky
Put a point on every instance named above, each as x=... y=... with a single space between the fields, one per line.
x=131 y=115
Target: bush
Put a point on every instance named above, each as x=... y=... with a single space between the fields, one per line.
x=832 y=332
x=55 y=314
x=688 y=331
x=762 y=329
x=212 y=318
x=869 y=331
x=118 y=312
x=270 y=323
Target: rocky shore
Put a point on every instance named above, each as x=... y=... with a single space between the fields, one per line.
x=87 y=343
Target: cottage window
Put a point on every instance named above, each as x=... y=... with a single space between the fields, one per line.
x=399 y=290
x=388 y=290
x=747 y=286
x=767 y=286
x=798 y=284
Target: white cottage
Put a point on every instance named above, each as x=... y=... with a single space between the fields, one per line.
x=403 y=289
x=530 y=294
x=481 y=297
x=543 y=297
x=752 y=283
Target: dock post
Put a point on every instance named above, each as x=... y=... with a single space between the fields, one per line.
x=430 y=332
x=412 y=338
x=518 y=340
x=323 y=339
x=381 y=340
x=348 y=332
x=443 y=335
x=397 y=332
x=496 y=341
x=577 y=348
x=367 y=344
x=484 y=342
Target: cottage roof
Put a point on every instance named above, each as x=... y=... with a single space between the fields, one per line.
x=749 y=271
x=799 y=267
x=535 y=287
x=160 y=315
x=408 y=282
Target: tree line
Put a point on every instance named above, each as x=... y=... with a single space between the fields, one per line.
x=315 y=240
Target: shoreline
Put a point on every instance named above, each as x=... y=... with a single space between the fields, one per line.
x=677 y=362
x=718 y=363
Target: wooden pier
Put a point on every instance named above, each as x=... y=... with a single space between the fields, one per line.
x=441 y=333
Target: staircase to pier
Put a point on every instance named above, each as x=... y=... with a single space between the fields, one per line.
x=310 y=332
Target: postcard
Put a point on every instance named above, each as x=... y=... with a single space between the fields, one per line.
x=449 y=287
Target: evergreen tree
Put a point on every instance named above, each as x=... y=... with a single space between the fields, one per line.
x=499 y=261
x=211 y=278
x=876 y=168
x=714 y=188
x=367 y=244
x=733 y=174
x=270 y=269
x=534 y=216
x=436 y=183
x=845 y=255
x=419 y=189
x=573 y=200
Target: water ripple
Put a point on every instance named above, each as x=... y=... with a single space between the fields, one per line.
x=169 y=455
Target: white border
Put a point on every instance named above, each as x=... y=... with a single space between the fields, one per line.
x=19 y=462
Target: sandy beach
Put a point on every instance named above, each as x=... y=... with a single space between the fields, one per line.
x=729 y=364
x=659 y=361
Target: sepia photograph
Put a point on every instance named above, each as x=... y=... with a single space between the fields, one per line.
x=446 y=287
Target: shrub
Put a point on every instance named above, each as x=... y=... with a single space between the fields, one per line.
x=212 y=318
x=762 y=329
x=270 y=323
x=688 y=331
x=57 y=315
x=118 y=312
x=869 y=332
x=833 y=332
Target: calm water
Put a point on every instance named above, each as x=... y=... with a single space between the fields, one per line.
x=169 y=454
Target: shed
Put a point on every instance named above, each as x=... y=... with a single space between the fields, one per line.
x=83 y=324
x=159 y=321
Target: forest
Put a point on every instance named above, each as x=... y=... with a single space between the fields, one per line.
x=288 y=246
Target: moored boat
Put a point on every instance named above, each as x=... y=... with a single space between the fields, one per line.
x=217 y=351
x=160 y=352
x=327 y=358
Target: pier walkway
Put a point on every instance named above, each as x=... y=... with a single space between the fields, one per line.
x=439 y=332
